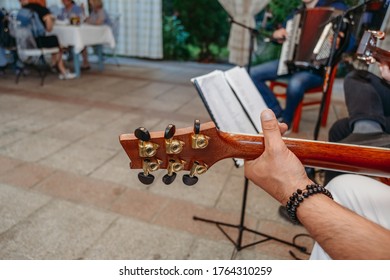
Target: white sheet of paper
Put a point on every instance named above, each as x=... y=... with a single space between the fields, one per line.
x=222 y=103
x=247 y=93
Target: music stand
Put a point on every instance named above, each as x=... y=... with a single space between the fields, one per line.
x=240 y=97
x=331 y=62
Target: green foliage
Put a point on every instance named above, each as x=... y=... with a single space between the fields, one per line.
x=206 y=22
x=281 y=9
x=175 y=39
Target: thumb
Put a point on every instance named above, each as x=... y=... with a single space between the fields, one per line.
x=271 y=129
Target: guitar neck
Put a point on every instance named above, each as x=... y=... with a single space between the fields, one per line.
x=334 y=156
x=381 y=55
x=218 y=145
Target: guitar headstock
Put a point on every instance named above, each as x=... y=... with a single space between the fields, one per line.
x=368 y=50
x=194 y=149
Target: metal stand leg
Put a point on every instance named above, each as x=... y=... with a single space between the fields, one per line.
x=242 y=228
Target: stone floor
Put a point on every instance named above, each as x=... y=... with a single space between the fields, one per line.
x=66 y=191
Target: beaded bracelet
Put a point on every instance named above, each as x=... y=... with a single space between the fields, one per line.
x=297 y=197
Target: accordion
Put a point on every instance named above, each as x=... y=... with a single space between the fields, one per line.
x=309 y=41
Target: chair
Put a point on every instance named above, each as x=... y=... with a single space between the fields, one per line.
x=274 y=85
x=28 y=53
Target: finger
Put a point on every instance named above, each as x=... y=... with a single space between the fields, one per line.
x=283 y=128
x=271 y=130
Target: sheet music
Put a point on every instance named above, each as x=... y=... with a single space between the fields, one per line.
x=247 y=93
x=222 y=104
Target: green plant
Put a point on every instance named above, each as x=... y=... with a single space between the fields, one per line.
x=281 y=9
x=206 y=22
x=175 y=39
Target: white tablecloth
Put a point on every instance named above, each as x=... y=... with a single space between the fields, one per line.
x=83 y=35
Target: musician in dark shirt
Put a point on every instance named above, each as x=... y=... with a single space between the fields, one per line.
x=299 y=82
x=355 y=224
x=367 y=97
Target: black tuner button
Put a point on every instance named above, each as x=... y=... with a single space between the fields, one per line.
x=190 y=180
x=142 y=134
x=196 y=126
x=169 y=131
x=169 y=179
x=145 y=179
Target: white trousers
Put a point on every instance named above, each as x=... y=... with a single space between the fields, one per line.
x=363 y=195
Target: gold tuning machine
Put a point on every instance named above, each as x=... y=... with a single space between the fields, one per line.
x=172 y=146
x=196 y=169
x=148 y=166
x=146 y=148
x=173 y=167
x=198 y=141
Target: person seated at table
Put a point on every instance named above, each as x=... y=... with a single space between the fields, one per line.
x=98 y=16
x=50 y=41
x=70 y=9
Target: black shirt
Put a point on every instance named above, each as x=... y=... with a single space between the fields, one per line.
x=40 y=10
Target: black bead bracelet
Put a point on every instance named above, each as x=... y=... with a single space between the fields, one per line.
x=297 y=197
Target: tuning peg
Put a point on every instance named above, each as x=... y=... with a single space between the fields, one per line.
x=196 y=126
x=173 y=167
x=142 y=134
x=145 y=179
x=168 y=179
x=191 y=179
x=198 y=141
x=169 y=131
x=148 y=166
x=172 y=146
x=145 y=147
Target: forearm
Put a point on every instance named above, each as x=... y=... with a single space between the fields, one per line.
x=49 y=22
x=342 y=233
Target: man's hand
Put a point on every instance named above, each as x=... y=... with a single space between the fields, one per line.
x=385 y=71
x=280 y=35
x=278 y=171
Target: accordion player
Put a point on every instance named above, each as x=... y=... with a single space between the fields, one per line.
x=308 y=44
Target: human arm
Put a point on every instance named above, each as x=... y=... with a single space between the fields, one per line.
x=340 y=232
x=49 y=22
x=96 y=18
x=385 y=71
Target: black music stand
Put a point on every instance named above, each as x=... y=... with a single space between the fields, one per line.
x=331 y=62
x=241 y=226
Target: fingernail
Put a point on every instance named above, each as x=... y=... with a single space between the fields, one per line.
x=268 y=115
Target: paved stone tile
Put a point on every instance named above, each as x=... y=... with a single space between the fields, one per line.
x=17 y=205
x=33 y=148
x=204 y=249
x=139 y=204
x=79 y=158
x=60 y=230
x=80 y=189
x=26 y=175
x=7 y=164
x=69 y=130
x=134 y=240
